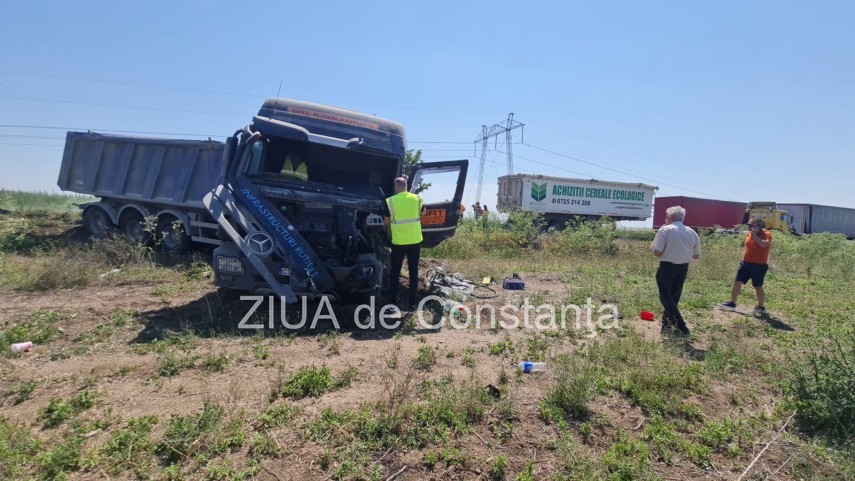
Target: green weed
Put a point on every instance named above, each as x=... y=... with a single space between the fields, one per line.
x=17 y=450
x=170 y=363
x=425 y=359
x=129 y=449
x=311 y=381
x=497 y=470
x=276 y=416
x=576 y=386
x=39 y=328
x=627 y=460
x=22 y=392
x=820 y=384
x=201 y=436
x=215 y=362
x=59 y=410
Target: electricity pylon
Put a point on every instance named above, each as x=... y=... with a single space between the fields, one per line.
x=486 y=133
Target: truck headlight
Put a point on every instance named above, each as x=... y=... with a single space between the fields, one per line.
x=229 y=265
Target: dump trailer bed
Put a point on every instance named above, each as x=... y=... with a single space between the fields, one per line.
x=140 y=178
x=159 y=171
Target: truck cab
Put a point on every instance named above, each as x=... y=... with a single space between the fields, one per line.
x=300 y=202
x=773 y=217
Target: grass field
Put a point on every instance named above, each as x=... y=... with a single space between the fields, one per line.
x=139 y=371
x=21 y=201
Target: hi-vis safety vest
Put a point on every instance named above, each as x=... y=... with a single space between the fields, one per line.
x=288 y=170
x=405 y=211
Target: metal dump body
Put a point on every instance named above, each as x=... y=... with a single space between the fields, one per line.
x=147 y=170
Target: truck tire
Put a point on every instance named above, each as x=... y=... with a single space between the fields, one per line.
x=97 y=222
x=172 y=240
x=131 y=225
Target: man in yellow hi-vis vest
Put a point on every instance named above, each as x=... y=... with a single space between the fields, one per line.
x=403 y=215
x=301 y=172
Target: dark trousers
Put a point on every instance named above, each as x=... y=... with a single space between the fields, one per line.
x=412 y=253
x=670 y=278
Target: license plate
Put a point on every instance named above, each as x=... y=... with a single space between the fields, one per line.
x=433 y=217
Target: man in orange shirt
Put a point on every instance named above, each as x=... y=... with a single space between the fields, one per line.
x=755 y=263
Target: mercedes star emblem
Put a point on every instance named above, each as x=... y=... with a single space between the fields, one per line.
x=260 y=243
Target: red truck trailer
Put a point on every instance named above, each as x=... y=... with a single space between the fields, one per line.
x=700 y=213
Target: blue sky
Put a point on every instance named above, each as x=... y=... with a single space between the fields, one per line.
x=732 y=100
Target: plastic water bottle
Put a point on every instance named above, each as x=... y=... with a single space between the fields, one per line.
x=528 y=367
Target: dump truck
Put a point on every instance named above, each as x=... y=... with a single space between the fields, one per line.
x=701 y=213
x=562 y=199
x=293 y=201
x=813 y=219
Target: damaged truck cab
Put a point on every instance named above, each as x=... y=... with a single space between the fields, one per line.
x=300 y=202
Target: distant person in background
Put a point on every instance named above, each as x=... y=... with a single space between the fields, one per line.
x=754 y=265
x=485 y=215
x=676 y=246
x=476 y=210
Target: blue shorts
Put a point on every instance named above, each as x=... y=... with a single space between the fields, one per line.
x=755 y=272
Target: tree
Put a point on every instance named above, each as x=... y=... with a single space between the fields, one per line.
x=414 y=157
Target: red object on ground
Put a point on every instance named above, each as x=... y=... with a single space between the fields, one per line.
x=701 y=213
x=646 y=315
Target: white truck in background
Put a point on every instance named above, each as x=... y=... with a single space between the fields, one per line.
x=562 y=199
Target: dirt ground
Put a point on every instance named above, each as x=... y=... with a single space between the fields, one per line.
x=129 y=386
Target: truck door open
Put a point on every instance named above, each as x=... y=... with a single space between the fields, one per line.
x=442 y=190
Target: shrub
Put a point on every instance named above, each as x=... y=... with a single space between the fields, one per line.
x=13 y=234
x=17 y=450
x=821 y=385
x=203 y=435
x=425 y=359
x=311 y=381
x=39 y=328
x=58 y=410
x=576 y=386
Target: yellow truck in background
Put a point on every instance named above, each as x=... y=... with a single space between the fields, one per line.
x=772 y=216
x=804 y=218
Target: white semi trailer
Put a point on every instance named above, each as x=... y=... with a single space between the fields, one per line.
x=561 y=199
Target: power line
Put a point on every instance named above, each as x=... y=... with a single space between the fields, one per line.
x=620 y=171
x=132 y=84
x=621 y=149
x=549 y=165
x=30 y=137
x=89 y=129
x=237 y=94
x=133 y=107
x=444 y=150
x=32 y=145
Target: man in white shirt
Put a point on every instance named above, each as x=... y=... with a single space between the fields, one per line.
x=675 y=245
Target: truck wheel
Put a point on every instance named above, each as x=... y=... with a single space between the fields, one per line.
x=171 y=235
x=97 y=222
x=131 y=225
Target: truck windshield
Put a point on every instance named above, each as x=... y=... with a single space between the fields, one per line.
x=287 y=161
